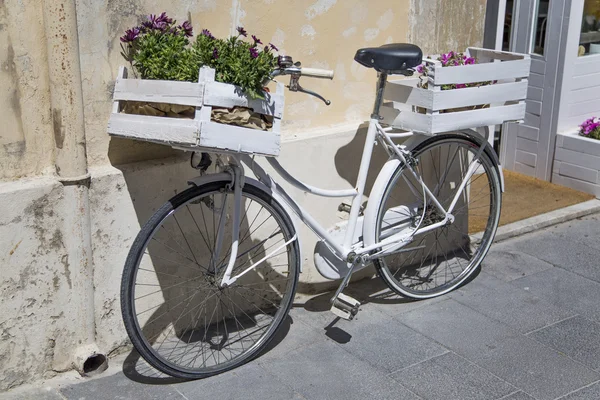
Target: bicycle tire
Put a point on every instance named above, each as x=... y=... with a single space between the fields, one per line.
x=237 y=323
x=416 y=273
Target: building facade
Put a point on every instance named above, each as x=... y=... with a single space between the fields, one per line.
x=73 y=199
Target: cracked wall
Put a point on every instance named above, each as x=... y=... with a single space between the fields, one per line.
x=26 y=143
x=37 y=274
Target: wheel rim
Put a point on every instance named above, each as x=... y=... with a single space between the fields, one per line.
x=182 y=316
x=443 y=258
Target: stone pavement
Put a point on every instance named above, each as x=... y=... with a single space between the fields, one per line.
x=527 y=327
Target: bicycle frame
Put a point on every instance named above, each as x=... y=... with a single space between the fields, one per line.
x=346 y=250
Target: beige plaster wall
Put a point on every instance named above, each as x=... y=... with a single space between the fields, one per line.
x=320 y=33
x=26 y=141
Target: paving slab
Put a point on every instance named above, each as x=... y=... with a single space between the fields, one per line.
x=506 y=263
x=119 y=387
x=376 y=338
x=247 y=382
x=590 y=392
x=452 y=377
x=324 y=372
x=572 y=256
x=37 y=394
x=565 y=289
x=518 y=396
x=577 y=337
x=585 y=230
x=500 y=301
x=538 y=370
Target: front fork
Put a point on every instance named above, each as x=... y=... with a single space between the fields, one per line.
x=237 y=183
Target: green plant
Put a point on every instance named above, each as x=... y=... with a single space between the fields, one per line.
x=590 y=128
x=236 y=61
x=160 y=49
x=451 y=59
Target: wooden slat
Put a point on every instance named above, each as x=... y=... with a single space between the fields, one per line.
x=538 y=66
x=534 y=93
x=534 y=107
x=495 y=54
x=532 y=120
x=182 y=93
x=405 y=91
x=587 y=94
x=586 y=65
x=471 y=119
x=238 y=139
x=482 y=72
x=498 y=93
x=157 y=129
x=447 y=122
x=536 y=80
x=407 y=120
x=530 y=146
x=224 y=95
x=584 y=108
x=524 y=169
x=526 y=158
x=582 y=82
x=528 y=132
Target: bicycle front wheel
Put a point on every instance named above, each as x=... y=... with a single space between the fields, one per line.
x=439 y=260
x=177 y=315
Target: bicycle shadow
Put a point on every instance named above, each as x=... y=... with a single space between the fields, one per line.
x=138 y=370
x=169 y=267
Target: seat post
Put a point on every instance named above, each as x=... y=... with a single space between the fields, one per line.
x=379 y=97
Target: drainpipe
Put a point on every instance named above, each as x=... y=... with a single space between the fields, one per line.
x=79 y=347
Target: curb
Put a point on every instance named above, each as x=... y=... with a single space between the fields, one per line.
x=545 y=220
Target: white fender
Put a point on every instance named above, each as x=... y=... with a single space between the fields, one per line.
x=375 y=198
x=388 y=170
x=224 y=176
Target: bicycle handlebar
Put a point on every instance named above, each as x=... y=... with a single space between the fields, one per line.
x=317 y=73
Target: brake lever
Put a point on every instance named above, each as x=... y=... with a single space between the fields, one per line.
x=294 y=86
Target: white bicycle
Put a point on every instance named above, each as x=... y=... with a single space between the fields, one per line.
x=212 y=274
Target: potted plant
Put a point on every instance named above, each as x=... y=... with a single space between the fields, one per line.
x=590 y=128
x=456 y=91
x=183 y=89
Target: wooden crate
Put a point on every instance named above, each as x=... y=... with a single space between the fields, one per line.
x=507 y=97
x=199 y=133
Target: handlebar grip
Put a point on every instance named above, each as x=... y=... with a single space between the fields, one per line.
x=318 y=73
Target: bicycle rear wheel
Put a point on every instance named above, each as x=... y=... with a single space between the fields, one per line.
x=178 y=317
x=438 y=261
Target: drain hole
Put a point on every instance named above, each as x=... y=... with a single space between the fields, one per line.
x=95 y=364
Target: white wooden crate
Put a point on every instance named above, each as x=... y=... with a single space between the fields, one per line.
x=506 y=97
x=199 y=133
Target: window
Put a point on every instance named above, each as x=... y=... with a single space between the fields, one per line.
x=589 y=41
x=540 y=26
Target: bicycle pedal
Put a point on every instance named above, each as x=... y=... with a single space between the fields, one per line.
x=345 y=307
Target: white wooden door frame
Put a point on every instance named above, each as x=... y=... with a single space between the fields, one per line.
x=529 y=148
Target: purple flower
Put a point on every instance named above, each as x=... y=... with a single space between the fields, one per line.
x=256 y=40
x=215 y=53
x=445 y=58
x=187 y=29
x=206 y=32
x=162 y=18
x=469 y=61
x=157 y=22
x=242 y=31
x=420 y=69
x=589 y=126
x=272 y=46
x=253 y=52
x=130 y=35
x=461 y=86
